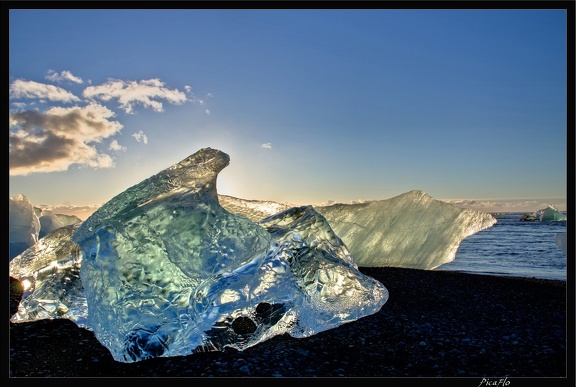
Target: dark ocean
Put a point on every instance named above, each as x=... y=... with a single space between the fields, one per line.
x=513 y=248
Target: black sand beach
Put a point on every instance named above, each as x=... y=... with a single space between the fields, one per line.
x=471 y=330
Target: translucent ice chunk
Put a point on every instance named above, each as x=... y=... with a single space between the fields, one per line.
x=550 y=214
x=411 y=230
x=560 y=241
x=50 y=275
x=24 y=224
x=165 y=271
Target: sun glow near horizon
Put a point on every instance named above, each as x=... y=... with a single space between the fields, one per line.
x=482 y=205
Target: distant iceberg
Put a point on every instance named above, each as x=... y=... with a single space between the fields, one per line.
x=529 y=217
x=550 y=214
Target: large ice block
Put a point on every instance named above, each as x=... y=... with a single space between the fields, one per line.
x=166 y=271
x=411 y=230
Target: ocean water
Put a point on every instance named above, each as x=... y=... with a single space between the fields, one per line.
x=513 y=248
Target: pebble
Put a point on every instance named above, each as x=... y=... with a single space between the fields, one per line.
x=468 y=344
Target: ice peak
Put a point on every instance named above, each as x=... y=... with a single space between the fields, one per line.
x=190 y=180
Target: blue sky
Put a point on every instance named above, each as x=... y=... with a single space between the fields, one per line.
x=311 y=105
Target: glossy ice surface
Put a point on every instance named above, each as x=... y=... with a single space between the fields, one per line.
x=164 y=270
x=411 y=230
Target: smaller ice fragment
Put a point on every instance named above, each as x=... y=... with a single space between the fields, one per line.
x=560 y=240
x=410 y=230
x=49 y=272
x=550 y=214
x=24 y=224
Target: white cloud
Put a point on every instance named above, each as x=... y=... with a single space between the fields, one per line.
x=140 y=137
x=507 y=206
x=54 y=140
x=359 y=201
x=147 y=93
x=81 y=211
x=63 y=76
x=266 y=146
x=331 y=202
x=19 y=105
x=30 y=89
x=207 y=111
x=116 y=147
x=326 y=203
